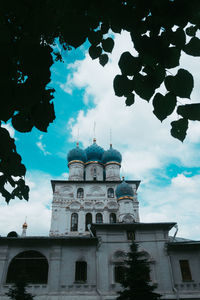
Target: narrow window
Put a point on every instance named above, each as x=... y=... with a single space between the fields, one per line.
x=94 y=174
x=110 y=193
x=88 y=220
x=130 y=235
x=112 y=218
x=99 y=218
x=80 y=193
x=81 y=271
x=119 y=273
x=185 y=270
x=74 y=222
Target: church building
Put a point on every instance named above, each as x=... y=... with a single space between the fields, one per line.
x=95 y=217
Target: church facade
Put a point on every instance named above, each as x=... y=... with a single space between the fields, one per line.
x=95 y=217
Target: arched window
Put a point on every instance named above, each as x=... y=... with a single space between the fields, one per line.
x=119 y=258
x=81 y=271
x=99 y=218
x=80 y=193
x=28 y=266
x=112 y=218
x=110 y=193
x=88 y=220
x=74 y=222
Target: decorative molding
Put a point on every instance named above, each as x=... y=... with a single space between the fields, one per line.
x=125 y=197
x=75 y=161
x=113 y=162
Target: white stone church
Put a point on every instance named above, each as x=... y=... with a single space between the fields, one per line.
x=95 y=216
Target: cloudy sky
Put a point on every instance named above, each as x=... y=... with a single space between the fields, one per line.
x=168 y=169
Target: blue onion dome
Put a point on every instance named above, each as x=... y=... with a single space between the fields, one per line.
x=112 y=155
x=94 y=152
x=77 y=154
x=124 y=190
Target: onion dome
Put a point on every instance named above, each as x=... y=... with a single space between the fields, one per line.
x=124 y=190
x=111 y=155
x=94 y=152
x=76 y=154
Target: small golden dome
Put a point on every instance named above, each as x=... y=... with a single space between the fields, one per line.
x=24 y=225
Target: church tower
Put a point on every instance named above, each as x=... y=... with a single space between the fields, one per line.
x=94 y=169
x=76 y=159
x=112 y=162
x=94 y=192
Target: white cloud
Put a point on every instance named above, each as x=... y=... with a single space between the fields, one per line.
x=42 y=146
x=10 y=129
x=65 y=175
x=145 y=143
x=135 y=128
x=37 y=209
x=66 y=88
x=177 y=202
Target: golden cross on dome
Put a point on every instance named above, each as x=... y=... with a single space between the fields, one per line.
x=110 y=137
x=77 y=143
x=94 y=129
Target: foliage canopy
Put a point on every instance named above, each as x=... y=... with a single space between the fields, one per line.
x=160 y=31
x=18 y=292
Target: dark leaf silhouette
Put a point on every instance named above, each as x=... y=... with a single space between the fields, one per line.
x=193 y=47
x=95 y=37
x=190 y=111
x=143 y=87
x=181 y=85
x=164 y=105
x=130 y=99
x=95 y=51
x=179 y=129
x=129 y=64
x=108 y=44
x=103 y=59
x=122 y=85
x=191 y=31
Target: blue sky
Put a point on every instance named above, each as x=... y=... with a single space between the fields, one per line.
x=169 y=169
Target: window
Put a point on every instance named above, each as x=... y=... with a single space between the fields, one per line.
x=88 y=220
x=110 y=193
x=81 y=271
x=80 y=193
x=112 y=218
x=94 y=174
x=130 y=235
x=28 y=266
x=99 y=218
x=74 y=222
x=185 y=270
x=119 y=273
